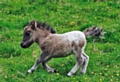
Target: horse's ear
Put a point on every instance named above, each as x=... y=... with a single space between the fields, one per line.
x=33 y=23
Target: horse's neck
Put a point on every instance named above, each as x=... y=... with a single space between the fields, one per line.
x=42 y=37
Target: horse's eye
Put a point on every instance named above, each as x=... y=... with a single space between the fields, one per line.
x=27 y=33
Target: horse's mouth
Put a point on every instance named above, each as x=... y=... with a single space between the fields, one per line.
x=23 y=45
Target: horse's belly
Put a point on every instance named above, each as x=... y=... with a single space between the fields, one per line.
x=62 y=52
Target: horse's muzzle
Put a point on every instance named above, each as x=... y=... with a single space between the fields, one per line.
x=26 y=44
x=23 y=45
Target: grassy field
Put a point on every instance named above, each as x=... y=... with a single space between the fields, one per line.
x=64 y=16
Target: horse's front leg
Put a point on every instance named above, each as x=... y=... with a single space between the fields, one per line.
x=47 y=67
x=44 y=55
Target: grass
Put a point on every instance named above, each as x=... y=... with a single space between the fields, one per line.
x=64 y=16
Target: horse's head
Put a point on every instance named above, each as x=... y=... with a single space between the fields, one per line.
x=35 y=32
x=29 y=34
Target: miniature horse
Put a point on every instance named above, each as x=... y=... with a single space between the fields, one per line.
x=56 y=45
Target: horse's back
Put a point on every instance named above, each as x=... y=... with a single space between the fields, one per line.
x=77 y=37
x=75 y=34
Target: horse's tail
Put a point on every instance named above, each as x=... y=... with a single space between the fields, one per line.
x=93 y=31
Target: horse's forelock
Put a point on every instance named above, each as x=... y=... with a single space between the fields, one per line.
x=32 y=22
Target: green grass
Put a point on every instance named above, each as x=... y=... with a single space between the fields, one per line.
x=64 y=16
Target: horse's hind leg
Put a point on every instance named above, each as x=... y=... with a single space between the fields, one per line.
x=45 y=65
x=79 y=61
x=85 y=63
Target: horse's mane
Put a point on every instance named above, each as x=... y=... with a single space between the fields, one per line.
x=43 y=25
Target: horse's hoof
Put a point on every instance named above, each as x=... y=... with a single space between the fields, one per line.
x=30 y=71
x=69 y=74
x=82 y=72
x=55 y=71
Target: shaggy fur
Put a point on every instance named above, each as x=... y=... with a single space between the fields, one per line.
x=56 y=45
